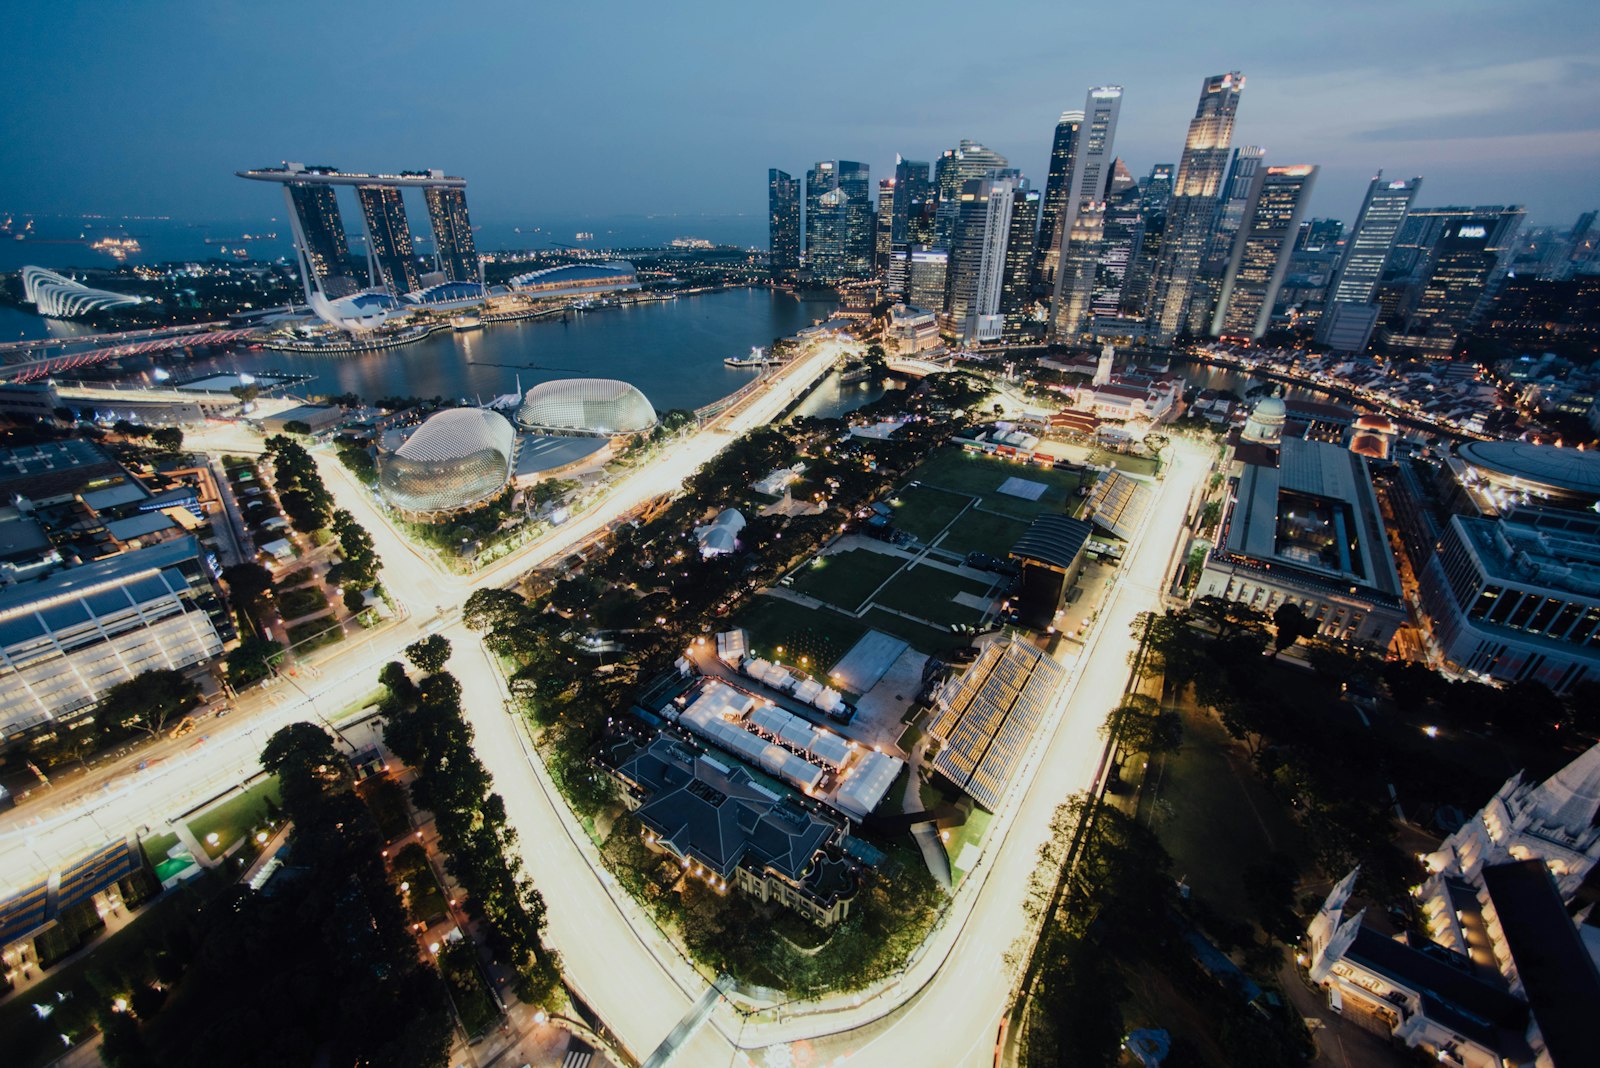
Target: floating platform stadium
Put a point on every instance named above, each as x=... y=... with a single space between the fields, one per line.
x=985 y=720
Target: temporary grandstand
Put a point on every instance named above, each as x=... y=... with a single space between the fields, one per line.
x=59 y=297
x=1118 y=504
x=984 y=720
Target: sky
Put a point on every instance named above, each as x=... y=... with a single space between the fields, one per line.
x=571 y=110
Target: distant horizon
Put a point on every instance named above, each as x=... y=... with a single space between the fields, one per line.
x=559 y=114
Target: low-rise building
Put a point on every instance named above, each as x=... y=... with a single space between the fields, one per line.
x=67 y=638
x=1501 y=978
x=1302 y=526
x=727 y=829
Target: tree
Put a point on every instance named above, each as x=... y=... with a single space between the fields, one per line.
x=491 y=608
x=252 y=660
x=297 y=426
x=355 y=600
x=250 y=586
x=1291 y=624
x=167 y=438
x=148 y=701
x=429 y=654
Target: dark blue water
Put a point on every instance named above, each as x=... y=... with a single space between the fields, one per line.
x=671 y=350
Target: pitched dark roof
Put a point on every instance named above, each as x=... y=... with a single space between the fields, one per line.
x=720 y=816
x=1487 y=1014
x=1557 y=973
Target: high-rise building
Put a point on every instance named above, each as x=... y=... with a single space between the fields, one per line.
x=453 y=245
x=1231 y=208
x=955 y=169
x=926 y=273
x=389 y=251
x=1261 y=250
x=1319 y=235
x=913 y=199
x=1155 y=191
x=1193 y=209
x=978 y=257
x=1053 y=209
x=783 y=225
x=1350 y=313
x=1464 y=268
x=1118 y=242
x=883 y=234
x=314 y=212
x=1091 y=170
x=839 y=221
x=1080 y=259
x=1016 y=288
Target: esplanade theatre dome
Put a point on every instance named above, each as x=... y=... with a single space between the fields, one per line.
x=455 y=460
x=600 y=406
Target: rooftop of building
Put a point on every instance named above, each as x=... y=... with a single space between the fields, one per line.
x=1547 y=547
x=1054 y=540
x=1314 y=511
x=718 y=815
x=24 y=461
x=1574 y=471
x=1556 y=971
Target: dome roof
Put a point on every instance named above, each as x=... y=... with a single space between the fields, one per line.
x=587 y=406
x=1564 y=471
x=456 y=459
x=1265 y=424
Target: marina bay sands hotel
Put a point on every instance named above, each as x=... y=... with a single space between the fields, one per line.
x=323 y=249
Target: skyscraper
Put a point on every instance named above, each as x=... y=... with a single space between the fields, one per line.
x=926 y=273
x=913 y=194
x=977 y=268
x=1155 y=191
x=883 y=234
x=1053 y=208
x=839 y=221
x=1118 y=242
x=1349 y=313
x=783 y=225
x=955 y=169
x=1466 y=263
x=1080 y=258
x=315 y=213
x=1261 y=250
x=389 y=251
x=453 y=245
x=1234 y=202
x=1193 y=208
x=1016 y=288
x=1091 y=169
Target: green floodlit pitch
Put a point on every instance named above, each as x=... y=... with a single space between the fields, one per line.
x=982 y=476
x=846 y=579
x=929 y=593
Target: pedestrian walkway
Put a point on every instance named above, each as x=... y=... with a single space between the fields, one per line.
x=698 y=1013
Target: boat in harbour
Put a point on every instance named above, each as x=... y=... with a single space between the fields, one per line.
x=466 y=322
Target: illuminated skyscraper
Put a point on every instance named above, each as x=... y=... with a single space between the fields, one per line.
x=321 y=230
x=389 y=238
x=1053 y=209
x=1080 y=258
x=1274 y=207
x=883 y=234
x=1350 y=314
x=978 y=257
x=1155 y=191
x=955 y=169
x=913 y=200
x=1469 y=254
x=452 y=234
x=1118 y=243
x=839 y=221
x=1193 y=209
x=1231 y=208
x=1016 y=288
x=1091 y=170
x=783 y=225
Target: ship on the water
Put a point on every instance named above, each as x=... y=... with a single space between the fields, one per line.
x=465 y=322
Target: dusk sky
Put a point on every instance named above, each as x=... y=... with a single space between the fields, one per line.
x=568 y=110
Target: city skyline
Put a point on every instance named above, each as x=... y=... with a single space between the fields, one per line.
x=1386 y=100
